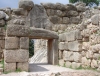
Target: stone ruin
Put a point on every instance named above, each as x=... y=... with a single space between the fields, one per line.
x=77 y=25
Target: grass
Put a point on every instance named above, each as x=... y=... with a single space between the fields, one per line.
x=2 y=62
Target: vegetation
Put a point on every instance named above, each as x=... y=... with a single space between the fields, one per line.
x=88 y=2
x=2 y=63
x=31 y=48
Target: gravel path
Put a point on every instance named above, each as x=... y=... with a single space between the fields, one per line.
x=49 y=70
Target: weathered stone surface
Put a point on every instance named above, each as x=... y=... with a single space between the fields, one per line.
x=19 y=22
x=60 y=6
x=68 y=56
x=75 y=46
x=2 y=23
x=72 y=13
x=96 y=56
x=85 y=62
x=17 y=30
x=42 y=33
x=39 y=18
x=80 y=8
x=70 y=7
x=75 y=20
x=26 y=4
x=94 y=64
x=95 y=19
x=11 y=43
x=59 y=13
x=13 y=56
x=95 y=48
x=60 y=54
x=85 y=45
x=68 y=64
x=66 y=20
x=3 y=15
x=51 y=12
x=55 y=19
x=77 y=57
x=9 y=67
x=2 y=44
x=89 y=54
x=62 y=37
x=48 y=5
x=2 y=32
x=19 y=11
x=73 y=35
x=24 y=43
x=76 y=65
x=63 y=46
x=61 y=62
x=23 y=66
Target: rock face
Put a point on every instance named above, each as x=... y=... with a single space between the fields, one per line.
x=39 y=18
x=26 y=4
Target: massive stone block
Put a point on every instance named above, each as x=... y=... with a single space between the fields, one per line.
x=24 y=43
x=62 y=37
x=2 y=23
x=73 y=35
x=13 y=56
x=66 y=20
x=17 y=30
x=75 y=20
x=63 y=46
x=51 y=12
x=9 y=67
x=95 y=19
x=39 y=18
x=11 y=43
x=2 y=31
x=55 y=19
x=23 y=66
x=68 y=56
x=26 y=4
x=75 y=46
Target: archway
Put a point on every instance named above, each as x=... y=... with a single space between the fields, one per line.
x=16 y=46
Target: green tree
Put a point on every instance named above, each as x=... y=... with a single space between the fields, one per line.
x=31 y=48
x=88 y=2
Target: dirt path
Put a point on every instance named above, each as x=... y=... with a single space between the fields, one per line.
x=49 y=70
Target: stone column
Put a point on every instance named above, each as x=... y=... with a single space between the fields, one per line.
x=53 y=51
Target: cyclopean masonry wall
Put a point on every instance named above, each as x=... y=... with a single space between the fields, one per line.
x=78 y=27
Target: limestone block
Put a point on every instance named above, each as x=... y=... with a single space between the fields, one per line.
x=24 y=43
x=68 y=64
x=51 y=12
x=11 y=43
x=17 y=30
x=2 y=23
x=59 y=13
x=85 y=62
x=77 y=57
x=80 y=8
x=73 y=35
x=23 y=66
x=70 y=7
x=68 y=56
x=83 y=53
x=62 y=37
x=2 y=31
x=96 y=56
x=75 y=20
x=13 y=56
x=26 y=4
x=72 y=13
x=95 y=48
x=89 y=54
x=9 y=67
x=60 y=6
x=95 y=19
x=86 y=45
x=61 y=62
x=66 y=20
x=2 y=44
x=94 y=64
x=55 y=19
x=63 y=46
x=75 y=46
x=19 y=21
x=48 y=5
x=60 y=54
x=76 y=65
